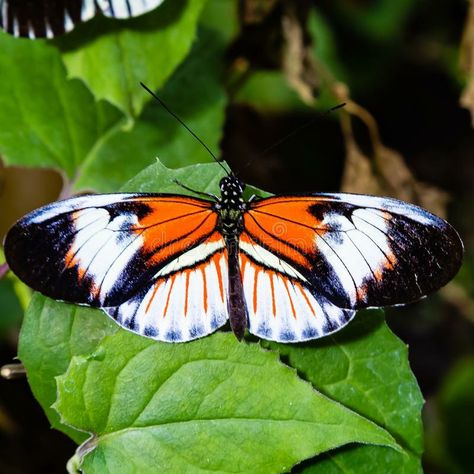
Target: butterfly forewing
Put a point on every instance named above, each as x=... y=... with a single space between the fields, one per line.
x=356 y=251
x=44 y=18
x=101 y=250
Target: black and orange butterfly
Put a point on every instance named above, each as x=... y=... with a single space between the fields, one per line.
x=50 y=18
x=287 y=268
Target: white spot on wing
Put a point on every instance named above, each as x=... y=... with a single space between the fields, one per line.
x=388 y=204
x=355 y=250
x=88 y=10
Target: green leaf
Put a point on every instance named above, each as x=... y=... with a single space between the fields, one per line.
x=454 y=407
x=365 y=367
x=268 y=91
x=213 y=405
x=382 y=20
x=10 y=311
x=203 y=177
x=324 y=44
x=112 y=57
x=51 y=334
x=46 y=119
x=195 y=92
x=222 y=16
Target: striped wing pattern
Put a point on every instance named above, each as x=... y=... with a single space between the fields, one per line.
x=156 y=264
x=182 y=304
x=49 y=18
x=159 y=265
x=310 y=261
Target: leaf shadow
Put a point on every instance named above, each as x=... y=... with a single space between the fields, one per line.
x=311 y=463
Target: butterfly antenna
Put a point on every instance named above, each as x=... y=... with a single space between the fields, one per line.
x=297 y=130
x=185 y=126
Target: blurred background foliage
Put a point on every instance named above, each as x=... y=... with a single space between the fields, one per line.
x=246 y=74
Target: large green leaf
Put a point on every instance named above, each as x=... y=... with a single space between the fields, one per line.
x=195 y=92
x=112 y=56
x=451 y=444
x=46 y=119
x=211 y=405
x=51 y=334
x=366 y=368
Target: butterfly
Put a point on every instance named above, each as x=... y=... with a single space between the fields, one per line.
x=286 y=268
x=50 y=18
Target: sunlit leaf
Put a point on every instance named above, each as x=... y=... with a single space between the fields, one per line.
x=113 y=57
x=195 y=92
x=365 y=367
x=51 y=121
x=214 y=404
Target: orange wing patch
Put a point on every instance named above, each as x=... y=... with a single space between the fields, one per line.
x=287 y=227
x=173 y=226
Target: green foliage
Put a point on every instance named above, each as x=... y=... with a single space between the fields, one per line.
x=14 y=296
x=379 y=19
x=347 y=403
x=211 y=405
x=46 y=119
x=352 y=367
x=10 y=310
x=268 y=91
x=114 y=59
x=450 y=430
x=195 y=92
x=52 y=333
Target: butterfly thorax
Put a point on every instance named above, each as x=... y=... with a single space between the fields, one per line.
x=231 y=207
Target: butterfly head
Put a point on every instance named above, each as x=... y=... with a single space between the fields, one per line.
x=232 y=189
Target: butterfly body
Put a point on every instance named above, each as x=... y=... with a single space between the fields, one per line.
x=285 y=268
x=231 y=207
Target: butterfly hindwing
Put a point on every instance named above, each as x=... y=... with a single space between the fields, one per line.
x=186 y=300
x=357 y=251
x=101 y=250
x=282 y=305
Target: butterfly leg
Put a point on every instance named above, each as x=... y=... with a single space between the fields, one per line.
x=213 y=196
